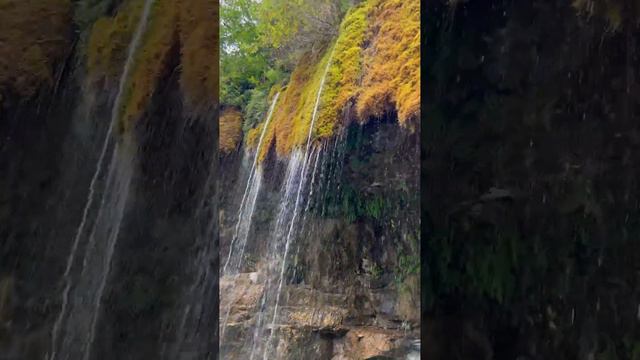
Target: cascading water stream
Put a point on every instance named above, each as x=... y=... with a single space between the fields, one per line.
x=120 y=179
x=104 y=236
x=245 y=213
x=288 y=196
x=186 y=343
x=306 y=209
x=304 y=168
x=296 y=206
x=245 y=226
x=76 y=241
x=244 y=218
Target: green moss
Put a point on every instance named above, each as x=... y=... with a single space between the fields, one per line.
x=407 y=265
x=289 y=126
x=257 y=107
x=351 y=205
x=491 y=271
x=379 y=78
x=376 y=271
x=342 y=83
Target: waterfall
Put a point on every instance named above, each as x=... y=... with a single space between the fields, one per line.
x=80 y=334
x=196 y=317
x=76 y=241
x=304 y=167
x=296 y=206
x=83 y=317
x=245 y=212
x=293 y=178
x=414 y=353
x=250 y=188
x=306 y=209
x=244 y=227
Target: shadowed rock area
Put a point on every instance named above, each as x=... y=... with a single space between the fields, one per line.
x=530 y=167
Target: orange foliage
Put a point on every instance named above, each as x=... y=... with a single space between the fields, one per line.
x=200 y=48
x=230 y=129
x=392 y=64
x=34 y=36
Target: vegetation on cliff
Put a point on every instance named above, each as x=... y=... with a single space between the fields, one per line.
x=187 y=23
x=289 y=126
x=290 y=28
x=391 y=78
x=343 y=78
x=150 y=61
x=374 y=69
x=35 y=37
x=230 y=129
x=199 y=52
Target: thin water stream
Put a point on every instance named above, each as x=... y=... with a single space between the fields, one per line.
x=245 y=214
x=305 y=167
x=296 y=206
x=79 y=335
x=251 y=190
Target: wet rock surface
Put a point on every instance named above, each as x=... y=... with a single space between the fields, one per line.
x=345 y=294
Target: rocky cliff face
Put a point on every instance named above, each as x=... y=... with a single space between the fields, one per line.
x=319 y=217
x=50 y=144
x=531 y=135
x=351 y=289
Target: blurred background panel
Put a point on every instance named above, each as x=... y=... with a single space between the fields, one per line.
x=530 y=180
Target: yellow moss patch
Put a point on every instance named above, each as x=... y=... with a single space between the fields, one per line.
x=342 y=83
x=230 y=129
x=392 y=63
x=199 y=51
x=253 y=135
x=190 y=23
x=273 y=91
x=150 y=60
x=34 y=36
x=109 y=40
x=379 y=79
x=289 y=126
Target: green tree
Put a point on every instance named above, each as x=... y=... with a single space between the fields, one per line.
x=244 y=62
x=291 y=27
x=261 y=41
